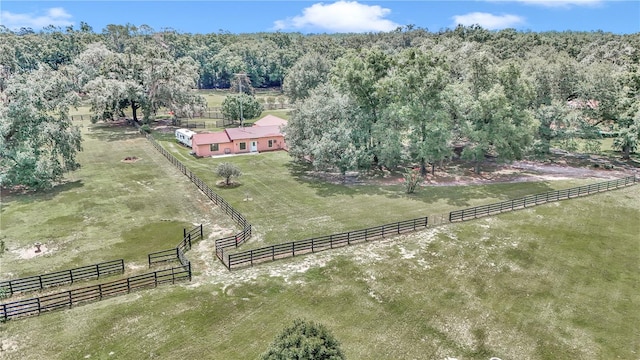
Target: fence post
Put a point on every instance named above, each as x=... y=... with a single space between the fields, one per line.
x=129 y=284
x=100 y=290
x=331 y=241
x=273 y=253
x=4 y=310
x=39 y=279
x=98 y=270
x=149 y=256
x=349 y=238
x=173 y=276
x=39 y=308
x=155 y=279
x=414 y=224
x=70 y=298
x=71 y=275
x=365 y=235
x=251 y=257
x=312 y=240
x=189 y=268
x=398 y=228
x=201 y=232
x=189 y=237
x=184 y=233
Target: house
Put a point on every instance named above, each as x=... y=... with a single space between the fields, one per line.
x=239 y=140
x=184 y=136
x=271 y=120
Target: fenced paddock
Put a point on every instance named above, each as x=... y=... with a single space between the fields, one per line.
x=291 y=249
x=64 y=277
x=177 y=253
x=67 y=299
x=533 y=200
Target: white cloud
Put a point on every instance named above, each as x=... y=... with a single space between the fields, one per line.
x=558 y=3
x=54 y=16
x=341 y=16
x=488 y=21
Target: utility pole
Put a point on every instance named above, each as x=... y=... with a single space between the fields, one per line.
x=240 y=90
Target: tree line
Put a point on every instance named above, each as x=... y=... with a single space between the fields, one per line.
x=409 y=96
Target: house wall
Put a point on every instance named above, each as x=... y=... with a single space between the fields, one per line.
x=263 y=144
x=205 y=149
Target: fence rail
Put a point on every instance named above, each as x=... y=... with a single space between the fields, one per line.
x=177 y=253
x=532 y=200
x=64 y=277
x=290 y=249
x=61 y=300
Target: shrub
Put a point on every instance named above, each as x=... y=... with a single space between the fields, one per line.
x=411 y=181
x=304 y=340
x=227 y=171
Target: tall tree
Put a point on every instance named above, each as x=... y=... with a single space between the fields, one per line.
x=145 y=80
x=240 y=107
x=421 y=81
x=38 y=143
x=306 y=74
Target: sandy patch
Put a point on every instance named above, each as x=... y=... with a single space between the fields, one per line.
x=31 y=251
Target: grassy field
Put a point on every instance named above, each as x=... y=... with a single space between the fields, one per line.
x=554 y=281
x=284 y=205
x=108 y=209
x=558 y=281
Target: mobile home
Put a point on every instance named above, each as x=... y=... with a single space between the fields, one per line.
x=184 y=136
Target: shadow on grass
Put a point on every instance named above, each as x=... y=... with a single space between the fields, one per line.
x=11 y=196
x=112 y=132
x=459 y=196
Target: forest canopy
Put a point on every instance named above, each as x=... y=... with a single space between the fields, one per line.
x=388 y=99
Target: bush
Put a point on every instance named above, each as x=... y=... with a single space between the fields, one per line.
x=411 y=181
x=145 y=129
x=304 y=340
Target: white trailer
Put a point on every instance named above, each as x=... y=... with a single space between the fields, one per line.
x=184 y=136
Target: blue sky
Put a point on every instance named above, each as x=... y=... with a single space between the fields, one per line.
x=206 y=16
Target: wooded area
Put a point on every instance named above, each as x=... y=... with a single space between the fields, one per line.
x=401 y=98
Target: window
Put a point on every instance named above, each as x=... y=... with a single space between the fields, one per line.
x=243 y=146
x=214 y=147
x=271 y=143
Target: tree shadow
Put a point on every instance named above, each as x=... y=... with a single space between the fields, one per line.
x=9 y=196
x=454 y=195
x=112 y=132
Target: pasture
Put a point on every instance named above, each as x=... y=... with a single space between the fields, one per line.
x=554 y=281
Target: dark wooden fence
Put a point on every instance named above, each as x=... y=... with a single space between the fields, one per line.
x=64 y=277
x=67 y=299
x=532 y=200
x=177 y=253
x=290 y=249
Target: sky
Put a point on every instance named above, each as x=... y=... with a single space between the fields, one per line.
x=208 y=16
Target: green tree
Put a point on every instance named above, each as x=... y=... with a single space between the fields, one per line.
x=227 y=171
x=321 y=130
x=240 y=107
x=144 y=78
x=306 y=74
x=304 y=340
x=38 y=143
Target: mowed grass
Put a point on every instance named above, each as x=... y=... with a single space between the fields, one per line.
x=284 y=204
x=558 y=281
x=108 y=209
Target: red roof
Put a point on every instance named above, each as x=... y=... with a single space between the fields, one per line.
x=270 y=120
x=253 y=132
x=210 y=138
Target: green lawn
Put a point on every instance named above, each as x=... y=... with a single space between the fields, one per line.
x=108 y=209
x=284 y=205
x=558 y=281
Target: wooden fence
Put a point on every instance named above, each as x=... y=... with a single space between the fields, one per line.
x=177 y=253
x=532 y=200
x=64 y=277
x=67 y=299
x=290 y=249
